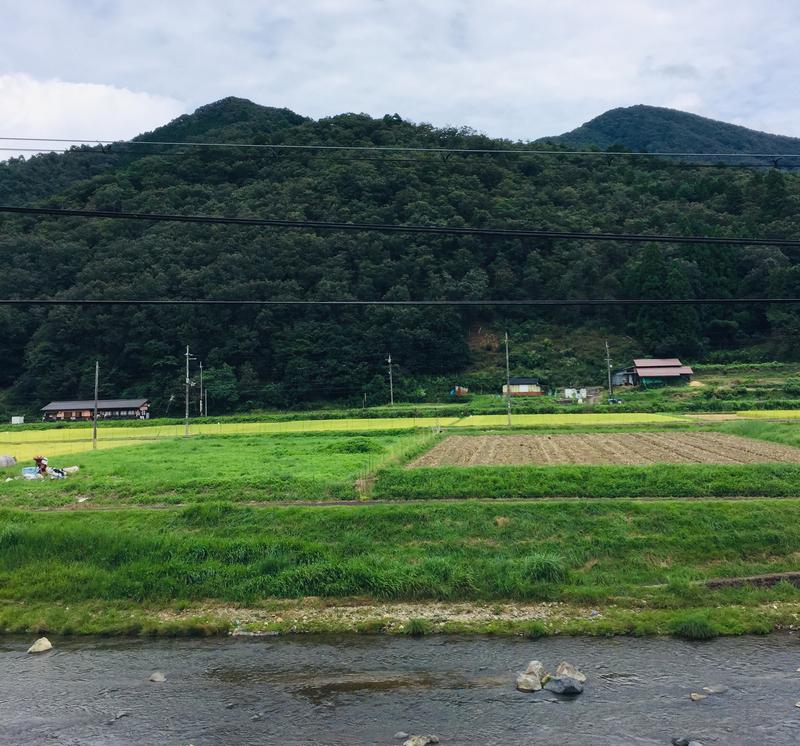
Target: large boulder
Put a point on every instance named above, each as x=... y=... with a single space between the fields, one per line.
x=564 y=685
x=533 y=677
x=7 y=461
x=42 y=645
x=528 y=683
x=536 y=668
x=568 y=670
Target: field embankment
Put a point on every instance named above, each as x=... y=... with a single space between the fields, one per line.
x=631 y=556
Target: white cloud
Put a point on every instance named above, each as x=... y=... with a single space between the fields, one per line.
x=512 y=68
x=54 y=108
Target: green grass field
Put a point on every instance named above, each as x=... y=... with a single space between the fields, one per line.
x=128 y=563
x=657 y=480
x=235 y=467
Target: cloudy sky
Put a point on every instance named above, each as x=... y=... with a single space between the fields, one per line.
x=514 y=68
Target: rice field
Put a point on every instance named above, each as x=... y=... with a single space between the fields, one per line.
x=24 y=452
x=770 y=414
x=545 y=420
x=24 y=444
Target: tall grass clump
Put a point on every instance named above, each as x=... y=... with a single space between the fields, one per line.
x=416 y=628
x=695 y=627
x=545 y=567
x=534 y=630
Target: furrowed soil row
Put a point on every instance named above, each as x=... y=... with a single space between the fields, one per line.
x=626 y=449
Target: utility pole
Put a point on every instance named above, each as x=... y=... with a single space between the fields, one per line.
x=205 y=402
x=391 y=383
x=188 y=384
x=94 y=423
x=201 y=388
x=608 y=365
x=508 y=384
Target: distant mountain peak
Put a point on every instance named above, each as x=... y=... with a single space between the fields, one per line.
x=223 y=113
x=658 y=129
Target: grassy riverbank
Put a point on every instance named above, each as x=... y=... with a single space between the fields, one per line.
x=639 y=562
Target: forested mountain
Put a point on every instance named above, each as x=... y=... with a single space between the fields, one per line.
x=655 y=129
x=281 y=355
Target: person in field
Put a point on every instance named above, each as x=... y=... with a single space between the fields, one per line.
x=45 y=470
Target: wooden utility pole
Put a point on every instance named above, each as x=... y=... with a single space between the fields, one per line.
x=508 y=384
x=391 y=383
x=188 y=383
x=94 y=422
x=608 y=366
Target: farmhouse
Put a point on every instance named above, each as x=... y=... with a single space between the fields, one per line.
x=651 y=372
x=108 y=409
x=522 y=386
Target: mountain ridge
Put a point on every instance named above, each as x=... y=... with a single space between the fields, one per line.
x=643 y=128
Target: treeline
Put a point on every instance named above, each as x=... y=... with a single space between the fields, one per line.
x=278 y=356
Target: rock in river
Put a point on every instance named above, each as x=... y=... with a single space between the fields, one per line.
x=421 y=740
x=528 y=683
x=569 y=671
x=40 y=646
x=564 y=685
x=537 y=669
x=157 y=676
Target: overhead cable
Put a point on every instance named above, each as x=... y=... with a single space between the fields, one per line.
x=539 y=302
x=442 y=230
x=403 y=148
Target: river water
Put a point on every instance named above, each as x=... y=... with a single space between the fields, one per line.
x=362 y=690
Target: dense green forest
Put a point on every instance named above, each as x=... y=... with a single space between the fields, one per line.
x=280 y=356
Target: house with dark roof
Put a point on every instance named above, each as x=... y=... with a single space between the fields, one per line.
x=653 y=372
x=107 y=409
x=522 y=386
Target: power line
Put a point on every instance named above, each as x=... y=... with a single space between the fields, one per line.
x=404 y=148
x=391 y=228
x=454 y=303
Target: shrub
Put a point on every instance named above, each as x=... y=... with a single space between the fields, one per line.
x=534 y=630
x=416 y=628
x=695 y=627
x=545 y=567
x=356 y=445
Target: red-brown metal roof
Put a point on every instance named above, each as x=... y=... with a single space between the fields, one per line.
x=667 y=362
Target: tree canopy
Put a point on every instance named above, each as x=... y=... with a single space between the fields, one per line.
x=280 y=355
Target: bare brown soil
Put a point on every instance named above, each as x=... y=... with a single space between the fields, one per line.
x=627 y=449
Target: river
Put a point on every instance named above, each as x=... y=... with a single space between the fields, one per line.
x=363 y=689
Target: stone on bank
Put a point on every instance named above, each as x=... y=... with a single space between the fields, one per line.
x=42 y=645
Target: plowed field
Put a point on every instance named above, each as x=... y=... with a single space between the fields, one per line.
x=605 y=448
